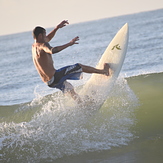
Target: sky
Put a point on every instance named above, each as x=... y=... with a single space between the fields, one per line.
x=23 y=15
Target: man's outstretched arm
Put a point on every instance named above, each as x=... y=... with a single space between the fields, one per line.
x=62 y=47
x=51 y=50
x=53 y=32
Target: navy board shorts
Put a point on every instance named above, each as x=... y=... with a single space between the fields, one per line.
x=72 y=72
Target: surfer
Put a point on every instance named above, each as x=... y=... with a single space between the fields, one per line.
x=42 y=58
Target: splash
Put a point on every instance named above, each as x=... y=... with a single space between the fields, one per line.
x=56 y=130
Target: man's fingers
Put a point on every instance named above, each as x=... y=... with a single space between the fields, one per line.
x=64 y=22
x=77 y=38
x=74 y=40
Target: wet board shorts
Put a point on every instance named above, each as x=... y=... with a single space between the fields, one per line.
x=72 y=72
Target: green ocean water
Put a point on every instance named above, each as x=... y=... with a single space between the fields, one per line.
x=147 y=145
x=132 y=118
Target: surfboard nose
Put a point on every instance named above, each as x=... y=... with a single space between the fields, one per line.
x=125 y=27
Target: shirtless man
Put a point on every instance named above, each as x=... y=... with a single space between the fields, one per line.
x=42 y=58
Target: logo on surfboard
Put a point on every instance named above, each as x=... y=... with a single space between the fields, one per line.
x=117 y=47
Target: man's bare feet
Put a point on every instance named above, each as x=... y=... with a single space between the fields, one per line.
x=106 y=69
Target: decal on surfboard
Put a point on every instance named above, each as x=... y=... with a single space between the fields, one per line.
x=117 y=47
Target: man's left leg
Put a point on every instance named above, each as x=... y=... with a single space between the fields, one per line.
x=75 y=96
x=70 y=90
x=89 y=69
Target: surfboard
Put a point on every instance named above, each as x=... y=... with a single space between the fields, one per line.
x=99 y=86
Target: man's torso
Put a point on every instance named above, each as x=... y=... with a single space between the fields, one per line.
x=43 y=62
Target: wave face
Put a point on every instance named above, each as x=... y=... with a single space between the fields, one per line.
x=46 y=130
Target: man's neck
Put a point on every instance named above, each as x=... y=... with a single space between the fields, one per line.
x=39 y=41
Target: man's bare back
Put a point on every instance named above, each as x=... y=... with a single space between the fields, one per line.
x=43 y=62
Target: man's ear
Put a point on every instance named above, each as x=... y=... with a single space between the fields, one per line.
x=40 y=36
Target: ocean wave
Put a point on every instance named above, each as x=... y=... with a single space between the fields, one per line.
x=45 y=129
x=53 y=130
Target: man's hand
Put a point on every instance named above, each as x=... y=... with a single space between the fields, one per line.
x=62 y=24
x=74 y=41
x=52 y=33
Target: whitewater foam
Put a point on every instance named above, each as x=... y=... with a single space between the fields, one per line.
x=56 y=130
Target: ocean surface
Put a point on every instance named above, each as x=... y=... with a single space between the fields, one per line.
x=37 y=127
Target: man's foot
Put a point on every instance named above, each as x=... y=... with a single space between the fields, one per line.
x=106 y=69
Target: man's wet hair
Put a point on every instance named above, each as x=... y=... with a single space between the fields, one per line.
x=37 y=30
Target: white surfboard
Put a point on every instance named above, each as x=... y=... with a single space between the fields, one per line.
x=99 y=86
